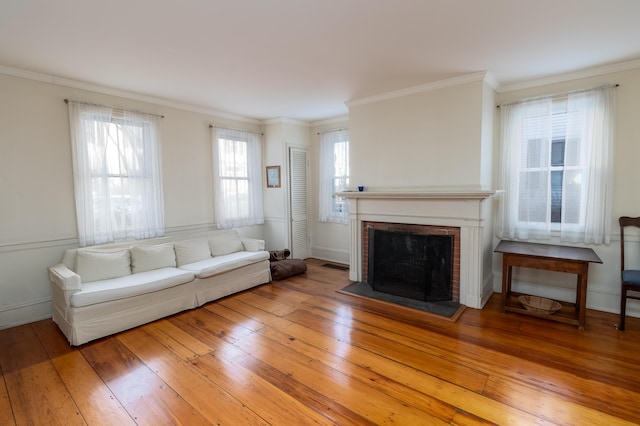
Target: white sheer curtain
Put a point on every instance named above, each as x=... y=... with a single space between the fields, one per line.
x=117 y=174
x=237 y=160
x=524 y=208
x=334 y=176
x=592 y=114
x=530 y=176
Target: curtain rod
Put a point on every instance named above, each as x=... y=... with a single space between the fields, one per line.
x=66 y=101
x=533 y=98
x=336 y=130
x=211 y=126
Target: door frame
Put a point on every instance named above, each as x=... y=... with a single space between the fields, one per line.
x=288 y=214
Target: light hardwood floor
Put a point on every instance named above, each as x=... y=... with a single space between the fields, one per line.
x=295 y=352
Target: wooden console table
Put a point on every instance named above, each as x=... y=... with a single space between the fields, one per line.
x=573 y=260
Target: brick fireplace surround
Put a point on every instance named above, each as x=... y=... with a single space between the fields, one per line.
x=461 y=212
x=410 y=228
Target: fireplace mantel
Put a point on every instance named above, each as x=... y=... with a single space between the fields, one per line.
x=429 y=194
x=464 y=208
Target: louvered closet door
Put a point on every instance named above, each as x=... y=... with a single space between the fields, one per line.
x=298 y=165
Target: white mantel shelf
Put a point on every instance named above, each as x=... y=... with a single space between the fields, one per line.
x=412 y=195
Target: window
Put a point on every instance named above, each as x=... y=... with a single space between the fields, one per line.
x=238 y=178
x=544 y=168
x=117 y=178
x=557 y=168
x=334 y=176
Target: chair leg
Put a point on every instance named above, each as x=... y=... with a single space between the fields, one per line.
x=623 y=308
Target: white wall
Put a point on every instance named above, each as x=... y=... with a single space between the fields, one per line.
x=604 y=280
x=430 y=138
x=279 y=135
x=275 y=227
x=488 y=137
x=37 y=214
x=487 y=175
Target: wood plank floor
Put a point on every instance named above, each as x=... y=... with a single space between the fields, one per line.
x=296 y=352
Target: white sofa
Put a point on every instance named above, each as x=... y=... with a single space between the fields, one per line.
x=102 y=290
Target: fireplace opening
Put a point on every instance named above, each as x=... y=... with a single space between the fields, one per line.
x=415 y=266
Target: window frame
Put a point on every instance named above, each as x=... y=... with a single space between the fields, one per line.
x=228 y=206
x=334 y=176
x=587 y=172
x=340 y=181
x=558 y=135
x=116 y=155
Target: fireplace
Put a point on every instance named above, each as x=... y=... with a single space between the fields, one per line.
x=459 y=212
x=419 y=262
x=411 y=265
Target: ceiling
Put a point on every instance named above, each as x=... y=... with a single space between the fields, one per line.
x=303 y=59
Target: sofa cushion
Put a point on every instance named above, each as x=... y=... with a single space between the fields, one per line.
x=129 y=286
x=222 y=246
x=253 y=244
x=147 y=258
x=220 y=264
x=193 y=250
x=96 y=265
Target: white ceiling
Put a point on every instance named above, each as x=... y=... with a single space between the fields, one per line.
x=303 y=59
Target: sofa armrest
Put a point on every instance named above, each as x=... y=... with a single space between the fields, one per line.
x=65 y=278
x=253 y=244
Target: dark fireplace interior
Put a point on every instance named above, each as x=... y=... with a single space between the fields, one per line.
x=410 y=265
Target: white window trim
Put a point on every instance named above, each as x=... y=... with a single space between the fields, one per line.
x=594 y=225
x=328 y=174
x=94 y=214
x=227 y=205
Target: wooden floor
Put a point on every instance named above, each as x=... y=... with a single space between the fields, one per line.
x=295 y=352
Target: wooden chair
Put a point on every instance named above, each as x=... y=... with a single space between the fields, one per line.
x=630 y=277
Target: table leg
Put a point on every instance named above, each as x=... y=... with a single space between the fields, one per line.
x=578 y=294
x=581 y=297
x=506 y=281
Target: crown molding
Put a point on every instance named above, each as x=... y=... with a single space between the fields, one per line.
x=75 y=84
x=575 y=75
x=428 y=87
x=282 y=120
x=329 y=121
x=490 y=79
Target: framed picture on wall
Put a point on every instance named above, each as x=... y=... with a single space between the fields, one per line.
x=273 y=176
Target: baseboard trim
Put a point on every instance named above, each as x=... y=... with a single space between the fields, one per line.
x=25 y=313
x=331 y=255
